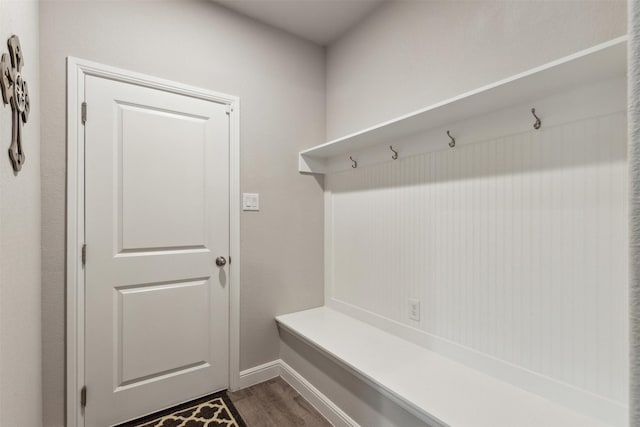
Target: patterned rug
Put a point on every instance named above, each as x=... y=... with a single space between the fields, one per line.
x=215 y=410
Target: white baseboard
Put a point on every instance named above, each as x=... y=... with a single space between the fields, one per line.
x=326 y=407
x=259 y=374
x=315 y=397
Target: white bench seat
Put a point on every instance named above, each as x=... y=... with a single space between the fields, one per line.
x=437 y=390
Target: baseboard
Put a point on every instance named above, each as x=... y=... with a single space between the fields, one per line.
x=259 y=374
x=315 y=397
x=326 y=407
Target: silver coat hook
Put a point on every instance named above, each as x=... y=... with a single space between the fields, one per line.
x=538 y=122
x=452 y=143
x=355 y=164
x=395 y=153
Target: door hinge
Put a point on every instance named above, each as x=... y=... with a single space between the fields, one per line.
x=84 y=112
x=84 y=254
x=229 y=109
x=83 y=396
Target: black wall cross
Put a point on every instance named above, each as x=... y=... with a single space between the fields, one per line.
x=15 y=92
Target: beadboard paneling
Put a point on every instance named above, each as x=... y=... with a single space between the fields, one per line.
x=516 y=248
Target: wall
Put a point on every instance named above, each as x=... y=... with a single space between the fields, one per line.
x=280 y=81
x=634 y=212
x=20 y=339
x=382 y=69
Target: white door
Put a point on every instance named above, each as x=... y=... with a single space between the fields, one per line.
x=157 y=217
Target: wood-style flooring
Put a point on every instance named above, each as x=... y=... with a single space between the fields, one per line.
x=274 y=403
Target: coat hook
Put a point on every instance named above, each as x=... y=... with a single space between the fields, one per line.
x=538 y=122
x=395 y=153
x=355 y=164
x=452 y=143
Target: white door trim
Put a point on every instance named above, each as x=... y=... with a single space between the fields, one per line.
x=77 y=70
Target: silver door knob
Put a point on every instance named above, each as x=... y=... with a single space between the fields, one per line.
x=221 y=261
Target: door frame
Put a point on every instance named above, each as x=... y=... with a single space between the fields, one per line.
x=77 y=71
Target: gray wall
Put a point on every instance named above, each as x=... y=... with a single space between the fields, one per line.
x=280 y=80
x=410 y=54
x=20 y=339
x=634 y=205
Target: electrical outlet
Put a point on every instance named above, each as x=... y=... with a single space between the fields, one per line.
x=414 y=309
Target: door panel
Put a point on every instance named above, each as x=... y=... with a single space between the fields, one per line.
x=140 y=306
x=172 y=183
x=157 y=216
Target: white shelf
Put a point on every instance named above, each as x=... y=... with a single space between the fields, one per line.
x=600 y=63
x=436 y=389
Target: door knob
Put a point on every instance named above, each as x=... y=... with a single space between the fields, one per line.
x=221 y=261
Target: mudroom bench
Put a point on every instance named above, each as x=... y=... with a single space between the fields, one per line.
x=437 y=390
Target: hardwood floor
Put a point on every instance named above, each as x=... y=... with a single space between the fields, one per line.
x=274 y=403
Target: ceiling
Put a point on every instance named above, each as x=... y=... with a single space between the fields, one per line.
x=321 y=21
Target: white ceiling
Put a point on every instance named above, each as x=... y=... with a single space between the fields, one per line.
x=321 y=21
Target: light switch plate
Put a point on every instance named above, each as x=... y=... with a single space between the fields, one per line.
x=250 y=201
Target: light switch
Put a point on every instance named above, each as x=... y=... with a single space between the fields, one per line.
x=250 y=202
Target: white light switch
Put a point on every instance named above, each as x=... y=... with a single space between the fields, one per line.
x=250 y=202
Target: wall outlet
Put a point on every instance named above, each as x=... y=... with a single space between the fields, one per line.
x=414 y=309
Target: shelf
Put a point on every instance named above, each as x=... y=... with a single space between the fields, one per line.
x=437 y=390
x=604 y=62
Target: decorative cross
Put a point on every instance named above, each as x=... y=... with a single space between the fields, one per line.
x=14 y=91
